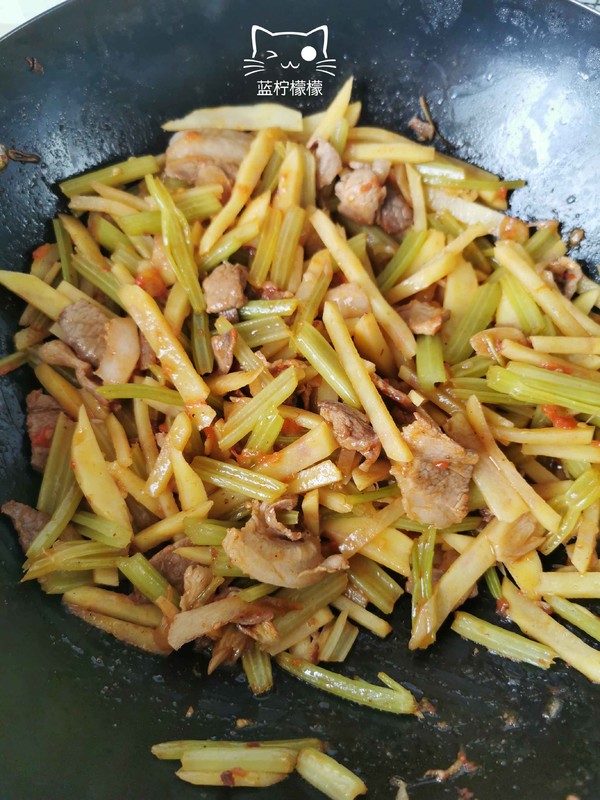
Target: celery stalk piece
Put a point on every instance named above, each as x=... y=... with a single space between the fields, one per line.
x=430 y=361
x=58 y=465
x=259 y=759
x=116 y=175
x=177 y=243
x=493 y=583
x=176 y=750
x=59 y=519
x=576 y=614
x=257 y=666
x=318 y=352
x=401 y=260
x=105 y=281
x=256 y=332
x=202 y=353
x=242 y=481
x=141 y=391
x=145 y=577
x=287 y=242
x=65 y=251
x=353 y=689
x=505 y=643
x=379 y=587
x=255 y=309
x=12 y=361
x=328 y=776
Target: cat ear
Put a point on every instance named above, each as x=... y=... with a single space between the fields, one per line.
x=255 y=30
x=322 y=33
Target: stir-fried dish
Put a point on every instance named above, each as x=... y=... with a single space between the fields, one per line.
x=296 y=367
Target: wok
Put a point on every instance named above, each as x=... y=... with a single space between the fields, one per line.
x=514 y=86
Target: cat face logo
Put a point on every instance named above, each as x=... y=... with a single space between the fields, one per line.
x=291 y=51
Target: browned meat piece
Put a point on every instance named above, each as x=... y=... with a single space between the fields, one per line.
x=231 y=315
x=269 y=512
x=147 y=354
x=262 y=553
x=329 y=163
x=389 y=390
x=206 y=156
x=84 y=329
x=360 y=195
x=352 y=430
x=424 y=130
x=228 y=648
x=196 y=580
x=435 y=484
x=270 y=292
x=564 y=273
x=28 y=521
x=395 y=215
x=423 y=317
x=224 y=288
x=351 y=300
x=42 y=414
x=223 y=347
x=59 y=354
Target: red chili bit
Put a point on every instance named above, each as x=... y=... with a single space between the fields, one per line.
x=253 y=744
x=502 y=192
x=290 y=427
x=227 y=778
x=40 y=251
x=502 y=607
x=559 y=417
x=150 y=280
x=442 y=464
x=23 y=158
x=556 y=367
x=34 y=65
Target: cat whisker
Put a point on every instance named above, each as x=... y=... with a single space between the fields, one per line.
x=258 y=69
x=326 y=71
x=254 y=60
x=324 y=60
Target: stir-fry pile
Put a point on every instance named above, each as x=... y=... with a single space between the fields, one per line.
x=292 y=363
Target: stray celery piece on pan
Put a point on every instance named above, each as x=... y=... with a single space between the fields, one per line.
x=177 y=243
x=141 y=391
x=259 y=672
x=401 y=260
x=328 y=776
x=147 y=579
x=430 y=361
x=576 y=614
x=353 y=689
x=318 y=352
x=236 y=479
x=134 y=169
x=65 y=251
x=504 y=643
x=221 y=758
x=176 y=750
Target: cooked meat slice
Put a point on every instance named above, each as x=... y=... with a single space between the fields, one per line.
x=424 y=130
x=122 y=351
x=42 y=414
x=423 y=317
x=350 y=299
x=381 y=167
x=59 y=354
x=206 y=156
x=395 y=215
x=28 y=521
x=228 y=648
x=389 y=390
x=352 y=430
x=525 y=534
x=269 y=291
x=224 y=288
x=435 y=484
x=147 y=354
x=84 y=330
x=171 y=565
x=269 y=512
x=360 y=195
x=231 y=315
x=329 y=163
x=564 y=273
x=223 y=347
x=263 y=554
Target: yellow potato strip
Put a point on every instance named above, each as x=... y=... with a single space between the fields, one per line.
x=248 y=176
x=350 y=264
x=169 y=351
x=379 y=416
x=336 y=111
